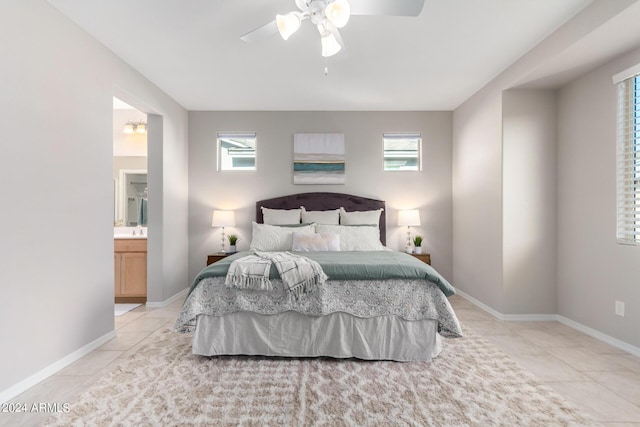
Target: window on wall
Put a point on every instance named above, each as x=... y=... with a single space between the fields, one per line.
x=628 y=160
x=236 y=151
x=402 y=152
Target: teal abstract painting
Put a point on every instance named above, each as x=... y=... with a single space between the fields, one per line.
x=318 y=158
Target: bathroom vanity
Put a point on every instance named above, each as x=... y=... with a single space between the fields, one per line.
x=130 y=274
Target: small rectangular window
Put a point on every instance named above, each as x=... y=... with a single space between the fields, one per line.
x=402 y=152
x=237 y=151
x=628 y=165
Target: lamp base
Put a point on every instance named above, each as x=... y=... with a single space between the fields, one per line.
x=222 y=251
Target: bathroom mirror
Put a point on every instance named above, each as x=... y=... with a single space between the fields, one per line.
x=131 y=198
x=129 y=166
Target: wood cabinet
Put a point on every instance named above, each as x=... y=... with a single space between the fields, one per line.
x=214 y=258
x=130 y=270
x=426 y=258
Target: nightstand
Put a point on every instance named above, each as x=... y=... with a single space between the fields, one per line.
x=426 y=258
x=216 y=257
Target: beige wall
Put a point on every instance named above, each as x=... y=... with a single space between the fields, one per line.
x=126 y=162
x=552 y=246
x=529 y=201
x=504 y=200
x=57 y=85
x=485 y=237
x=593 y=269
x=477 y=215
x=428 y=190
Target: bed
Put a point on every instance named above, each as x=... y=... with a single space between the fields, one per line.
x=375 y=304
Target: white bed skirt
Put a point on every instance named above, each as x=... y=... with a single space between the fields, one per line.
x=339 y=335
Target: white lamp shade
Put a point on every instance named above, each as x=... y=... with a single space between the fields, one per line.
x=141 y=128
x=223 y=219
x=330 y=45
x=128 y=129
x=338 y=13
x=288 y=24
x=409 y=218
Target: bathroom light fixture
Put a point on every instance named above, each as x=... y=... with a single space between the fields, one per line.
x=223 y=219
x=131 y=127
x=409 y=218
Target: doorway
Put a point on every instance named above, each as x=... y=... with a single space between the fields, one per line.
x=130 y=197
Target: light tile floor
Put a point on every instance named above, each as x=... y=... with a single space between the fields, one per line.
x=596 y=377
x=602 y=380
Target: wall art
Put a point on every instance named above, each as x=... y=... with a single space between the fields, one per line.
x=318 y=158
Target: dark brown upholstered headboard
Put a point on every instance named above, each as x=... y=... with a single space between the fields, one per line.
x=324 y=202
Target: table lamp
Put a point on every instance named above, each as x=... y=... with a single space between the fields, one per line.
x=223 y=219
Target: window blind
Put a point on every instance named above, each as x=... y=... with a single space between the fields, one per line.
x=402 y=151
x=628 y=161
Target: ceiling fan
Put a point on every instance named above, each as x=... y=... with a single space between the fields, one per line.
x=330 y=15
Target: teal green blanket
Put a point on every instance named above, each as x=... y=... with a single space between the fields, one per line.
x=378 y=265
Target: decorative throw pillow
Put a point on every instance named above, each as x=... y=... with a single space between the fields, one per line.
x=360 y=217
x=280 y=216
x=305 y=242
x=355 y=238
x=267 y=237
x=321 y=217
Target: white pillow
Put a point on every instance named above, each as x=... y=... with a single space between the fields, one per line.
x=305 y=242
x=354 y=238
x=267 y=237
x=280 y=216
x=321 y=217
x=360 y=217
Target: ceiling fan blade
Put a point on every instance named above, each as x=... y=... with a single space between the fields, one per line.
x=260 y=33
x=386 y=7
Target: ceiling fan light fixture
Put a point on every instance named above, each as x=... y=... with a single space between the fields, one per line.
x=330 y=45
x=288 y=24
x=329 y=16
x=338 y=12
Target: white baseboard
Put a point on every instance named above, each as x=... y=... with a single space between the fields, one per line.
x=166 y=302
x=600 y=336
x=24 y=385
x=50 y=370
x=508 y=317
x=553 y=317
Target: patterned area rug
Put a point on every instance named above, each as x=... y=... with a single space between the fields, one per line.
x=470 y=383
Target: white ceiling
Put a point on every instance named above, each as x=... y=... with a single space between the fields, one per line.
x=119 y=104
x=192 y=50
